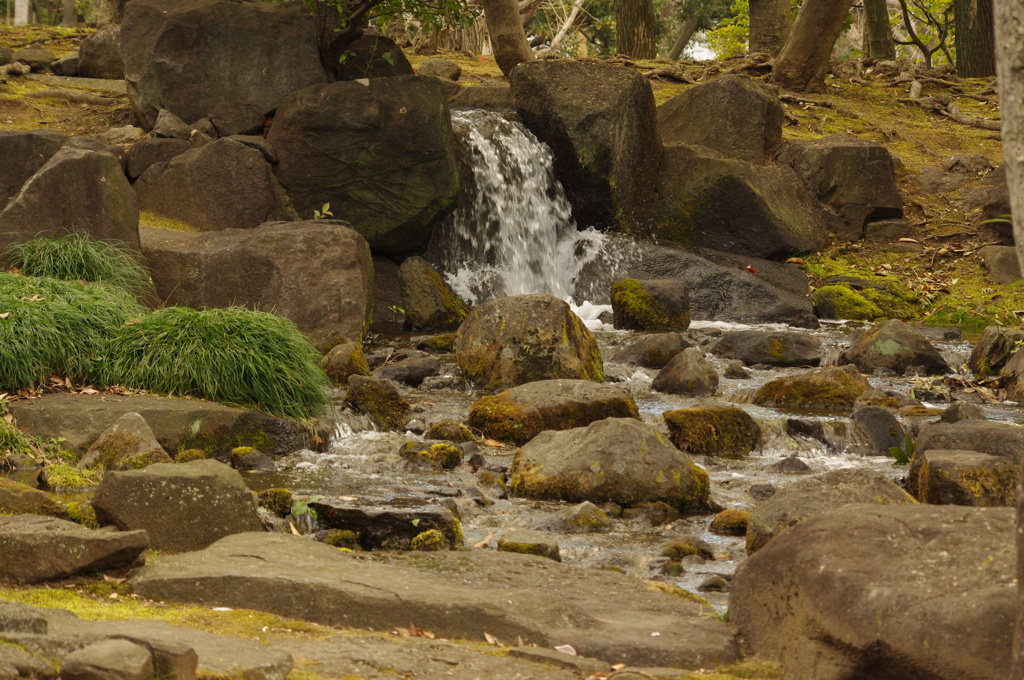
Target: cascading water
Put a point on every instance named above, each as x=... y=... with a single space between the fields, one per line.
x=512 y=232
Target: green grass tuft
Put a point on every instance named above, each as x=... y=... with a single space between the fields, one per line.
x=232 y=355
x=77 y=257
x=51 y=327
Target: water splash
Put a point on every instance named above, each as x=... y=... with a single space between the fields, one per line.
x=512 y=232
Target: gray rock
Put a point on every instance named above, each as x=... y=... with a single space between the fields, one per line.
x=996 y=439
x=125 y=134
x=108 y=660
x=396 y=131
x=774 y=348
x=147 y=152
x=37 y=57
x=487 y=96
x=815 y=495
x=735 y=115
x=385 y=526
x=920 y=592
x=601 y=125
x=258 y=143
x=177 y=423
x=223 y=185
x=652 y=351
x=237 y=118
x=515 y=340
x=66 y=65
x=687 y=373
x=170 y=126
x=894 y=345
x=454 y=594
x=880 y=428
x=410 y=372
x=17 y=663
x=440 y=68
x=34 y=549
x=651 y=304
x=537 y=543
x=175 y=57
x=128 y=444
x=618 y=459
x=967 y=478
x=165 y=500
x=429 y=302
x=99 y=55
x=317 y=274
x=20 y=618
x=80 y=182
x=25 y=152
x=961 y=410
x=993 y=349
x=1002 y=264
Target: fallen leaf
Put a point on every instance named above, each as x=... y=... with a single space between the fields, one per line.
x=294 y=529
x=795 y=260
x=490 y=442
x=908 y=240
x=566 y=649
x=113 y=579
x=480 y=544
x=491 y=640
x=221 y=609
x=5 y=315
x=618 y=666
x=751 y=269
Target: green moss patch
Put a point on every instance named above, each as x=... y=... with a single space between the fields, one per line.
x=634 y=307
x=725 y=432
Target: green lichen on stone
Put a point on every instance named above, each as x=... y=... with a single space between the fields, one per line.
x=445 y=342
x=342 y=538
x=676 y=591
x=82 y=512
x=685 y=546
x=188 y=455
x=730 y=523
x=344 y=359
x=847 y=303
x=451 y=431
x=278 y=501
x=430 y=540
x=724 y=432
x=440 y=456
x=63 y=477
x=829 y=389
x=218 y=442
x=635 y=308
x=17 y=498
x=505 y=419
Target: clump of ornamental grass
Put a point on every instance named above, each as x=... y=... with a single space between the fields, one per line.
x=52 y=327
x=77 y=257
x=231 y=355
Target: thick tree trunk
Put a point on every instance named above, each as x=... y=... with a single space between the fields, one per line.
x=975 y=38
x=878 y=42
x=803 y=62
x=770 y=21
x=1009 y=31
x=685 y=33
x=508 y=40
x=21 y=12
x=634 y=28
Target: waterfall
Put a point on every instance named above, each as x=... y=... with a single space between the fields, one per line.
x=512 y=232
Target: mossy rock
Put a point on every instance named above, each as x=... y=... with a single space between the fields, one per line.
x=187 y=455
x=438 y=456
x=530 y=543
x=343 y=360
x=430 y=303
x=685 y=546
x=82 y=512
x=586 y=517
x=681 y=593
x=819 y=389
x=430 y=540
x=451 y=431
x=841 y=302
x=658 y=304
x=277 y=500
x=967 y=478
x=445 y=342
x=861 y=299
x=730 y=523
x=18 y=499
x=342 y=538
x=62 y=477
x=378 y=399
x=250 y=458
x=725 y=432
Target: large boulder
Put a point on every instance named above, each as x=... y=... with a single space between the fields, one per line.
x=222 y=185
x=109 y=659
x=967 y=478
x=734 y=115
x=128 y=444
x=735 y=206
x=880 y=428
x=77 y=191
x=651 y=305
x=600 y=122
x=720 y=431
x=182 y=506
x=99 y=55
x=721 y=286
x=854 y=178
x=194 y=57
x=775 y=348
x=996 y=439
x=152 y=150
x=25 y=152
x=381 y=153
x=429 y=301
x=896 y=346
x=455 y=594
x=616 y=459
x=78 y=420
x=923 y=592
x=688 y=373
x=822 y=388
x=519 y=414
x=35 y=548
x=317 y=274
x=519 y=339
x=815 y=495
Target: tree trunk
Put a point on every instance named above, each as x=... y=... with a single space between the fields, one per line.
x=685 y=33
x=508 y=40
x=803 y=62
x=975 y=38
x=68 y=16
x=878 y=42
x=1009 y=32
x=634 y=28
x=21 y=12
x=770 y=21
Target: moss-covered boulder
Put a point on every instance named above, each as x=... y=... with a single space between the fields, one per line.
x=896 y=346
x=378 y=399
x=343 y=360
x=686 y=546
x=18 y=499
x=774 y=348
x=816 y=495
x=730 y=523
x=617 y=459
x=537 y=543
x=277 y=500
x=249 y=458
x=866 y=299
x=443 y=342
x=431 y=455
x=430 y=303
x=967 y=478
x=1005 y=440
x=651 y=305
x=520 y=339
x=725 y=432
x=521 y=413
x=652 y=351
x=128 y=444
x=993 y=349
x=451 y=431
x=688 y=373
x=822 y=388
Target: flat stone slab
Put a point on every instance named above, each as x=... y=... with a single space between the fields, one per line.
x=34 y=548
x=456 y=594
x=111 y=87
